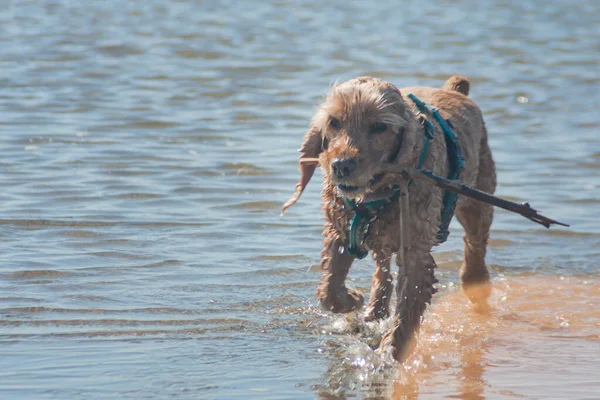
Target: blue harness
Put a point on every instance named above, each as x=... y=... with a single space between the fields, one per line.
x=365 y=213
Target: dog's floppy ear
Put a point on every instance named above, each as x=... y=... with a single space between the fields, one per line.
x=311 y=148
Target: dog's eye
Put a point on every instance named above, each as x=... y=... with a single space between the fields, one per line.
x=335 y=123
x=379 y=127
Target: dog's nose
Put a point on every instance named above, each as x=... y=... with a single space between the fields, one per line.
x=343 y=168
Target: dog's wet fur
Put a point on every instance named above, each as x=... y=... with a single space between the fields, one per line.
x=362 y=124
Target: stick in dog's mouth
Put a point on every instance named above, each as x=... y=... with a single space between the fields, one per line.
x=411 y=173
x=308 y=160
x=348 y=188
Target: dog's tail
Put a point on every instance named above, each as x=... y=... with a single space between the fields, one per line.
x=458 y=84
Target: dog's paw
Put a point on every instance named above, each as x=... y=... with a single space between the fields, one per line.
x=343 y=301
x=375 y=313
x=394 y=346
x=478 y=294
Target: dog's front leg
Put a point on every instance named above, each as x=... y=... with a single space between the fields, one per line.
x=332 y=291
x=414 y=291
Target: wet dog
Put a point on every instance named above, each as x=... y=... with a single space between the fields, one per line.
x=363 y=124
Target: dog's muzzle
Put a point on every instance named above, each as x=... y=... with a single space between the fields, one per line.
x=343 y=168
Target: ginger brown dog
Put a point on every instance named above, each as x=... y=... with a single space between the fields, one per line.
x=362 y=124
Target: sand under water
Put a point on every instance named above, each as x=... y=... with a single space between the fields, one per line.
x=539 y=338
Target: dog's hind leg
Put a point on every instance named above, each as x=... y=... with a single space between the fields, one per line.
x=476 y=218
x=381 y=289
x=332 y=292
x=415 y=290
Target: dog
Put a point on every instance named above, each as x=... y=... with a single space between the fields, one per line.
x=363 y=124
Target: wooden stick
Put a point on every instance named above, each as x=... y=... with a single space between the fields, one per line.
x=455 y=186
x=309 y=160
x=404 y=211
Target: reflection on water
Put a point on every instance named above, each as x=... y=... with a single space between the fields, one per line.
x=147 y=148
x=510 y=350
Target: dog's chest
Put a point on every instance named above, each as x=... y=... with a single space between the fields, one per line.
x=383 y=234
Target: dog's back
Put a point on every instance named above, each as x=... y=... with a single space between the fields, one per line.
x=465 y=116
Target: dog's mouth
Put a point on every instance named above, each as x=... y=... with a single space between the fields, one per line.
x=350 y=190
x=354 y=191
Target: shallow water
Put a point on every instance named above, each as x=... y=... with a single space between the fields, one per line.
x=147 y=148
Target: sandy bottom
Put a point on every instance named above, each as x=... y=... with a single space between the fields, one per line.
x=539 y=338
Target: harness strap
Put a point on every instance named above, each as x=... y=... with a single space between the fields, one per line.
x=455 y=161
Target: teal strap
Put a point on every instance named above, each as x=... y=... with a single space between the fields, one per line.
x=364 y=214
x=429 y=134
x=354 y=249
x=449 y=134
x=455 y=161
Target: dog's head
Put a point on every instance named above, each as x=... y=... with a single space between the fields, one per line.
x=362 y=124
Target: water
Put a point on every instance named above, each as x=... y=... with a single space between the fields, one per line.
x=147 y=147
